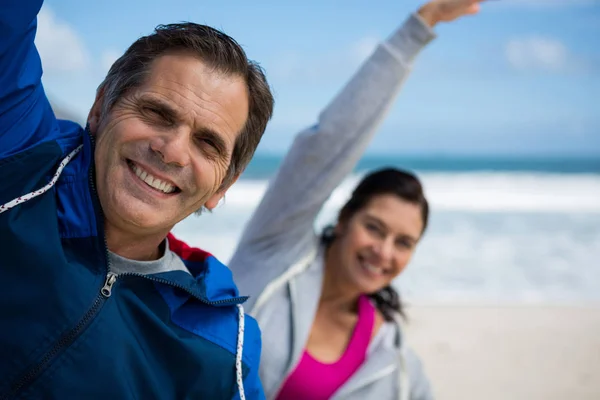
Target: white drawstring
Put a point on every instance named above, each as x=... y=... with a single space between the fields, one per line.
x=404 y=381
x=403 y=373
x=238 y=353
x=29 y=196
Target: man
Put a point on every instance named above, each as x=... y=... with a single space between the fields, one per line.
x=96 y=303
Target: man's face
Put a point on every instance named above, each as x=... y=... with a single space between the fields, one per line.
x=164 y=149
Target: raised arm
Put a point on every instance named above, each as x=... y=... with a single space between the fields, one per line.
x=280 y=233
x=321 y=156
x=26 y=117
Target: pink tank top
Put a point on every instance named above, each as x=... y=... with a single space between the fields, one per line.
x=315 y=380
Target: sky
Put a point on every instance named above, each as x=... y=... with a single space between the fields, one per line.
x=522 y=77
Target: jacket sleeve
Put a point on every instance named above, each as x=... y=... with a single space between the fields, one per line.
x=322 y=156
x=26 y=117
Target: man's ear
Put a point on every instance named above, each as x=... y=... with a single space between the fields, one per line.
x=213 y=201
x=93 y=119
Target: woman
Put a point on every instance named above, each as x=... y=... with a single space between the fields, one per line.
x=324 y=303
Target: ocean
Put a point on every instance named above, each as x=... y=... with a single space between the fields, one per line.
x=509 y=230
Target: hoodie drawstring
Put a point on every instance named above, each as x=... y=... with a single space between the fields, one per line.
x=403 y=378
x=403 y=373
x=29 y=196
x=238 y=353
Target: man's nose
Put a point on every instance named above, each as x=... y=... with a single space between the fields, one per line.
x=173 y=146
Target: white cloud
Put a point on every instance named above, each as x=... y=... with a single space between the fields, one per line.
x=538 y=53
x=108 y=58
x=60 y=48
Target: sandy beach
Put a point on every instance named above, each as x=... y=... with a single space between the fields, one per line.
x=511 y=352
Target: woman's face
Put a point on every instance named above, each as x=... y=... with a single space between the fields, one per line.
x=376 y=243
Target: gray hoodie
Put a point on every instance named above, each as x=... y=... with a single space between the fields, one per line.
x=279 y=260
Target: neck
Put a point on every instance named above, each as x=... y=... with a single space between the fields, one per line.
x=337 y=295
x=133 y=246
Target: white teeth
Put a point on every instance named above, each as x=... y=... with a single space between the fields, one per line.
x=149 y=179
x=152 y=181
x=373 y=268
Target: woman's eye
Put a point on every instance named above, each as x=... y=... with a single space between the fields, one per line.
x=405 y=244
x=373 y=229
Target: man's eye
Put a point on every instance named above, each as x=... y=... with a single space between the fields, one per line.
x=207 y=144
x=151 y=110
x=157 y=115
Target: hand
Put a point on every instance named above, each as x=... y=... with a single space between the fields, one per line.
x=447 y=10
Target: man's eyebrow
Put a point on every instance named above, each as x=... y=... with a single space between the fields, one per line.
x=166 y=109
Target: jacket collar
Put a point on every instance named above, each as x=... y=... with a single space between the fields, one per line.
x=209 y=280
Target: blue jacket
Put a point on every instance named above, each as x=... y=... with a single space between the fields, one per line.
x=164 y=336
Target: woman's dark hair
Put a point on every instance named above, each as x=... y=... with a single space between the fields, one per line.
x=381 y=182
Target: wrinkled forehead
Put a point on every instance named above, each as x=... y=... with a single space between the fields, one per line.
x=199 y=91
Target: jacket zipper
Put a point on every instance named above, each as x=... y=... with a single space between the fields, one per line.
x=112 y=278
x=63 y=342
x=68 y=338
x=105 y=293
